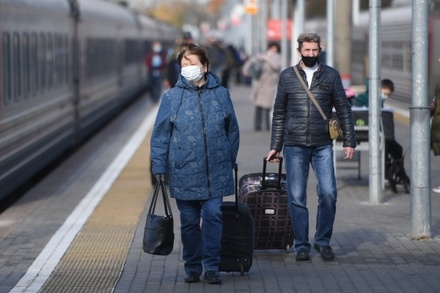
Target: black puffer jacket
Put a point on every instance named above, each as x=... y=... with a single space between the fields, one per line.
x=296 y=120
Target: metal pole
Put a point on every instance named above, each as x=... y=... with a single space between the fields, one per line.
x=342 y=27
x=249 y=40
x=329 y=57
x=420 y=125
x=376 y=195
x=275 y=10
x=256 y=33
x=355 y=12
x=298 y=28
x=284 y=34
x=263 y=22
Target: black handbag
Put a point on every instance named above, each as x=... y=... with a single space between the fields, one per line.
x=159 y=229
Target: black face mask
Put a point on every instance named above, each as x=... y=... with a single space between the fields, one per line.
x=309 y=61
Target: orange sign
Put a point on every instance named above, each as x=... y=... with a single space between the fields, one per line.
x=275 y=29
x=251 y=7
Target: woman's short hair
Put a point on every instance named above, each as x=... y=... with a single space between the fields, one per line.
x=193 y=49
x=273 y=44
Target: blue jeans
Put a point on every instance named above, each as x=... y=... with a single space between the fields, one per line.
x=201 y=245
x=297 y=163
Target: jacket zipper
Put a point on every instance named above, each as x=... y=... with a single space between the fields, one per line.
x=205 y=143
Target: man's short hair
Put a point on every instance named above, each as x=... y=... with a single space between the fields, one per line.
x=308 y=38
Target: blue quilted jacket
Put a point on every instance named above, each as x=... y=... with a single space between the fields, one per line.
x=195 y=140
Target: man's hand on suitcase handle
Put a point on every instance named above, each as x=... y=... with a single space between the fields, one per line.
x=272 y=156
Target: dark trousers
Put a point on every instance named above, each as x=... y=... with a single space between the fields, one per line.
x=259 y=117
x=155 y=87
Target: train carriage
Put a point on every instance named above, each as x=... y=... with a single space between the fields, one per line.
x=67 y=67
x=395 y=50
x=109 y=55
x=36 y=109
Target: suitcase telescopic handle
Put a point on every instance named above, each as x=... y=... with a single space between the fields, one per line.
x=280 y=169
x=236 y=184
x=237 y=210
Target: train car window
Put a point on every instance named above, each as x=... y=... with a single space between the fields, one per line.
x=62 y=59
x=50 y=61
x=16 y=67
x=33 y=71
x=396 y=55
x=42 y=61
x=115 y=56
x=66 y=59
x=99 y=51
x=112 y=56
x=107 y=54
x=6 y=50
x=26 y=66
x=90 y=58
x=58 y=60
x=93 y=57
x=131 y=51
x=96 y=57
x=65 y=51
x=407 y=51
x=101 y=57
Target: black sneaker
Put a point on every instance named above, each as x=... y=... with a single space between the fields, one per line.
x=192 y=277
x=325 y=251
x=302 y=254
x=213 y=277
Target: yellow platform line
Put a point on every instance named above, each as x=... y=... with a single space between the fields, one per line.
x=94 y=261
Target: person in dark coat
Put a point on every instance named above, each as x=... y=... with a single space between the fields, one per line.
x=156 y=63
x=435 y=125
x=299 y=129
x=195 y=142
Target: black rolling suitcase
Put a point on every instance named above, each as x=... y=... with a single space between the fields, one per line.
x=237 y=236
x=266 y=196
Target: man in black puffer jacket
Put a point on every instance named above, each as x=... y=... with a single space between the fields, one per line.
x=298 y=126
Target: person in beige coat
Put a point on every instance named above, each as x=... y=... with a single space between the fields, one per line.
x=264 y=89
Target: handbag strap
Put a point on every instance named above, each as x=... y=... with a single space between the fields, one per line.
x=309 y=93
x=160 y=187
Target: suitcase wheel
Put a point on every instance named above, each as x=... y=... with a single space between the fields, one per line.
x=242 y=269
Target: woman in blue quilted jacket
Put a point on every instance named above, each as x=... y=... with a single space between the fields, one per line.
x=195 y=142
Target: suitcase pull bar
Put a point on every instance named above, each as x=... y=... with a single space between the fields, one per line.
x=280 y=169
x=237 y=214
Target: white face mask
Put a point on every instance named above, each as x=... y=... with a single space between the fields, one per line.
x=192 y=73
